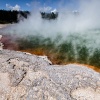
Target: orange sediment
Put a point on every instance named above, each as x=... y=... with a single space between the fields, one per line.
x=40 y=51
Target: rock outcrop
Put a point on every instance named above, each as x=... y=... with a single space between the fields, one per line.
x=29 y=77
x=1 y=45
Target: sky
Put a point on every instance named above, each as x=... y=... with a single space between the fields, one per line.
x=28 y=4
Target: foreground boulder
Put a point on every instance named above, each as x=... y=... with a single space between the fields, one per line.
x=29 y=77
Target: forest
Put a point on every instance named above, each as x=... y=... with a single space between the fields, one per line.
x=8 y=16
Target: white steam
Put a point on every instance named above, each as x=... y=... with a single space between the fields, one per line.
x=68 y=22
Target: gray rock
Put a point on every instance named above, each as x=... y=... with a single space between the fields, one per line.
x=1 y=44
x=29 y=77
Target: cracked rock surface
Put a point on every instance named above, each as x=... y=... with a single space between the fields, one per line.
x=29 y=77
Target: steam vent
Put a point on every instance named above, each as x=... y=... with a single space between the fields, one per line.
x=24 y=76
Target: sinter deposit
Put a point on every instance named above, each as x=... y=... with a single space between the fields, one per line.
x=1 y=44
x=29 y=77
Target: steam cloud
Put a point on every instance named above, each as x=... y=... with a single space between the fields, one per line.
x=67 y=22
x=16 y=7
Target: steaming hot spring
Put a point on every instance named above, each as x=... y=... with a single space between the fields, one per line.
x=65 y=37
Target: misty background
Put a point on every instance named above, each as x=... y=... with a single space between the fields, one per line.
x=85 y=24
x=74 y=36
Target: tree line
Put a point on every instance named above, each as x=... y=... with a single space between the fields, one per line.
x=8 y=16
x=49 y=16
